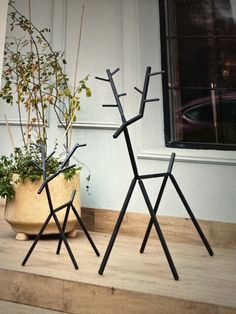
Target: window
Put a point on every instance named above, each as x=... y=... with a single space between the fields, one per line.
x=198 y=40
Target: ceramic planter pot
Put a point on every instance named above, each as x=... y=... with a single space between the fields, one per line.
x=28 y=210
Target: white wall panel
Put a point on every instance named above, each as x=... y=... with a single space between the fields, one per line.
x=125 y=33
x=100 y=48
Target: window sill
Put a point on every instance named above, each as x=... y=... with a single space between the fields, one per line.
x=213 y=157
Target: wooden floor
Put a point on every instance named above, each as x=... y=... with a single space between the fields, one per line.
x=17 y=308
x=132 y=282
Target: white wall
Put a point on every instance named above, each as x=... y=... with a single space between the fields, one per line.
x=125 y=34
x=3 y=13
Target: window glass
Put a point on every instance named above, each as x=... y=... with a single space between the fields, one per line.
x=200 y=41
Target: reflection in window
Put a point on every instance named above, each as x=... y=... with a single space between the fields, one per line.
x=200 y=41
x=199 y=114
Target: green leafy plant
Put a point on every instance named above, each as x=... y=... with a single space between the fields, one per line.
x=6 y=188
x=22 y=163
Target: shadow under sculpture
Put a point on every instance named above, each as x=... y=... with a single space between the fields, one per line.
x=139 y=178
x=52 y=213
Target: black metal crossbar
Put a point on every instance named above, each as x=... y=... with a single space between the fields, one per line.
x=52 y=213
x=139 y=178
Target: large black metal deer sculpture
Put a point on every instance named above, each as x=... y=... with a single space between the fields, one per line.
x=139 y=178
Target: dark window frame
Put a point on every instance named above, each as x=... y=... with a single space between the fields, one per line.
x=169 y=142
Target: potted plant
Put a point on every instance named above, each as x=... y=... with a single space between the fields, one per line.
x=34 y=81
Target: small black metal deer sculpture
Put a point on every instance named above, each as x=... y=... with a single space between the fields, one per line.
x=52 y=213
x=139 y=178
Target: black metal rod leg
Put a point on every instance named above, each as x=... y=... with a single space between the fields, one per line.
x=36 y=239
x=63 y=228
x=85 y=231
x=62 y=235
x=194 y=220
x=159 y=232
x=149 y=228
x=117 y=227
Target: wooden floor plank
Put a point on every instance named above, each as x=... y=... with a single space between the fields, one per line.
x=140 y=282
x=17 y=308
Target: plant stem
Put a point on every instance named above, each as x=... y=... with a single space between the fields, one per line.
x=18 y=106
x=29 y=109
x=78 y=49
x=75 y=77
